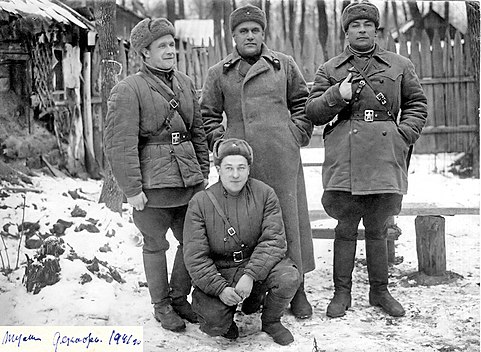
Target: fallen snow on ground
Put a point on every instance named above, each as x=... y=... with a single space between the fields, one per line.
x=444 y=317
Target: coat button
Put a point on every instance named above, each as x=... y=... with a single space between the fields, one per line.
x=354 y=131
x=384 y=133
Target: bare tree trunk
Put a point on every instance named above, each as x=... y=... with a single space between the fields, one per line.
x=342 y=35
x=416 y=15
x=227 y=9
x=322 y=28
x=217 y=12
x=284 y=19
x=181 y=9
x=394 y=14
x=105 y=16
x=171 y=11
x=302 y=24
x=268 y=18
x=472 y=9
x=292 y=20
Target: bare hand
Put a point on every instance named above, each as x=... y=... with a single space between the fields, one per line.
x=244 y=286
x=345 y=88
x=229 y=297
x=138 y=202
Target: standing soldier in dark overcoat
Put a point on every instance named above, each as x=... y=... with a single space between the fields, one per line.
x=263 y=94
x=374 y=109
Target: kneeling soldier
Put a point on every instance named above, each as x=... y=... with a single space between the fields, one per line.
x=235 y=246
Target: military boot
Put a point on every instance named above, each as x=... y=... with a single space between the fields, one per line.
x=377 y=267
x=253 y=303
x=271 y=319
x=344 y=256
x=180 y=286
x=155 y=266
x=300 y=306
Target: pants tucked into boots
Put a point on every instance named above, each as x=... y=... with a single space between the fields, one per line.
x=215 y=318
x=374 y=210
x=154 y=224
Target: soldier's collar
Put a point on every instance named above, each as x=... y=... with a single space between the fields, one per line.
x=346 y=55
x=266 y=53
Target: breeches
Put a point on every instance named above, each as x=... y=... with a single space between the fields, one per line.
x=373 y=209
x=153 y=223
x=215 y=317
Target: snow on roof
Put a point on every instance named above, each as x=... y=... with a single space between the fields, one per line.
x=50 y=10
x=195 y=30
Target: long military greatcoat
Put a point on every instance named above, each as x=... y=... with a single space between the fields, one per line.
x=266 y=108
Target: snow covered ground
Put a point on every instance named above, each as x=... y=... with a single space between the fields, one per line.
x=443 y=317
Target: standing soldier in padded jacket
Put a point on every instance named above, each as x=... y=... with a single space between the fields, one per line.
x=156 y=146
x=375 y=109
x=263 y=95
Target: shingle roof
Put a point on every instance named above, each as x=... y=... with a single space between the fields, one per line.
x=46 y=9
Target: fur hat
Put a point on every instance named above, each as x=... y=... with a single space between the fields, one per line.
x=247 y=13
x=359 y=10
x=148 y=30
x=232 y=146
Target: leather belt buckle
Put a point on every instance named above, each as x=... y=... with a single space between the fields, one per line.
x=175 y=136
x=369 y=115
x=238 y=256
x=173 y=103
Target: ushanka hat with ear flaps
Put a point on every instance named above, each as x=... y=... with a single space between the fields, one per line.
x=359 y=10
x=232 y=146
x=148 y=30
x=247 y=13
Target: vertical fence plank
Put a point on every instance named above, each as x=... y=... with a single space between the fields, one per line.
x=449 y=89
x=439 y=99
x=426 y=143
x=403 y=45
x=181 y=64
x=460 y=88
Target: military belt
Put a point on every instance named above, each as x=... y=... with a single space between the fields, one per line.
x=369 y=115
x=173 y=138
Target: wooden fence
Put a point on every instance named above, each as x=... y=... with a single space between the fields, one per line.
x=443 y=65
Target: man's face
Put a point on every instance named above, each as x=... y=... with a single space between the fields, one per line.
x=361 y=34
x=161 y=53
x=233 y=172
x=248 y=37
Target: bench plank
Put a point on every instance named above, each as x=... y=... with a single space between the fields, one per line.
x=411 y=209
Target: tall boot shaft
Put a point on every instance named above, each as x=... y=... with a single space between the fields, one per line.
x=271 y=319
x=377 y=264
x=155 y=267
x=344 y=256
x=180 y=281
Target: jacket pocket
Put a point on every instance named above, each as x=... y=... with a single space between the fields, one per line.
x=296 y=133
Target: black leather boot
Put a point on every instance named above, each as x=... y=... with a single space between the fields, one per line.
x=180 y=286
x=377 y=267
x=300 y=306
x=155 y=266
x=271 y=319
x=253 y=303
x=344 y=256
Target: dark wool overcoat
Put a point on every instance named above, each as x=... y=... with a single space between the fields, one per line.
x=256 y=216
x=266 y=108
x=136 y=112
x=368 y=157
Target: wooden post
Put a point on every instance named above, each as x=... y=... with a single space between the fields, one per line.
x=430 y=244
